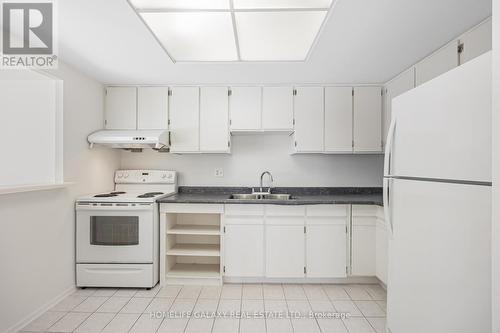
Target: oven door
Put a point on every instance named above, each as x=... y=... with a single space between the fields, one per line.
x=114 y=233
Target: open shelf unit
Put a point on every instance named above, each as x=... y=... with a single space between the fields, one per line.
x=191 y=247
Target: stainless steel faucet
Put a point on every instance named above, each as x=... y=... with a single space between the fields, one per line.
x=262 y=178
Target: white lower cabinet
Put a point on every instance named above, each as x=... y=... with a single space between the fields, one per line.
x=285 y=251
x=326 y=251
x=326 y=241
x=382 y=246
x=311 y=241
x=363 y=241
x=244 y=250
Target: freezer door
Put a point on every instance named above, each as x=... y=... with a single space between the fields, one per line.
x=439 y=259
x=442 y=128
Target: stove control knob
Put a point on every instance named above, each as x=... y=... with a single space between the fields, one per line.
x=125 y=175
x=169 y=176
x=119 y=175
x=164 y=176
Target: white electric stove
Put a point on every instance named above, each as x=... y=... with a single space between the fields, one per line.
x=117 y=232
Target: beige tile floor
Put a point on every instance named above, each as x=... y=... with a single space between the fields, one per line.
x=129 y=310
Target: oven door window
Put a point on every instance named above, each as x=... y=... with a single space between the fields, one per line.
x=114 y=230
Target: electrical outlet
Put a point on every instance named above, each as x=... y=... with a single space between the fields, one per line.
x=219 y=172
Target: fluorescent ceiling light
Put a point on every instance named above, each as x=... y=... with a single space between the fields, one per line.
x=234 y=30
x=198 y=36
x=297 y=4
x=276 y=36
x=180 y=4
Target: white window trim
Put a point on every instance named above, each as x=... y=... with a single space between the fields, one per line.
x=59 y=146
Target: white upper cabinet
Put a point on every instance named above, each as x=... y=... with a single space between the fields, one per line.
x=437 y=63
x=277 y=109
x=338 y=119
x=214 y=119
x=184 y=119
x=367 y=119
x=245 y=105
x=152 y=108
x=121 y=108
x=476 y=42
x=309 y=119
x=399 y=85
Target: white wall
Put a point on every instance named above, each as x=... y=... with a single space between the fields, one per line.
x=253 y=154
x=496 y=170
x=37 y=228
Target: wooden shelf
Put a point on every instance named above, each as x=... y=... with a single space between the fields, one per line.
x=192 y=229
x=201 y=250
x=204 y=271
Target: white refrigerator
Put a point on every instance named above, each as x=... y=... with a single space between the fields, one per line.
x=437 y=201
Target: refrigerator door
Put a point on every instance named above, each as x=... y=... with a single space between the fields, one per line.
x=439 y=258
x=442 y=129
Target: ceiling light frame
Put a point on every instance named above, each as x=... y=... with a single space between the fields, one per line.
x=232 y=11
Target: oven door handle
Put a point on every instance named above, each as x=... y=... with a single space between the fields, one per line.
x=114 y=207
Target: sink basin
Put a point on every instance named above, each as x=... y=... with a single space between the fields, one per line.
x=260 y=196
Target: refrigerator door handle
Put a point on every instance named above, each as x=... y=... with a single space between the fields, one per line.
x=388 y=148
x=387 y=204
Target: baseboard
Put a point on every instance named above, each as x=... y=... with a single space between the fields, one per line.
x=35 y=314
x=346 y=280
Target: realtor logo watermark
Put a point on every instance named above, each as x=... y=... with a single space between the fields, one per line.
x=28 y=34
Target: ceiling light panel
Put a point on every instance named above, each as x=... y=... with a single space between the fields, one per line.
x=282 y=4
x=194 y=36
x=277 y=36
x=179 y=4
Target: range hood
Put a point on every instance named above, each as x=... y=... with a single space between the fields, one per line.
x=130 y=139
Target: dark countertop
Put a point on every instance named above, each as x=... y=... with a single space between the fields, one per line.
x=300 y=195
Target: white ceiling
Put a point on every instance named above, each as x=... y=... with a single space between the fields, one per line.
x=364 y=41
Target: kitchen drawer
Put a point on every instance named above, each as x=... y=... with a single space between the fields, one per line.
x=326 y=220
x=244 y=210
x=285 y=210
x=242 y=220
x=328 y=210
x=285 y=220
x=364 y=210
x=115 y=275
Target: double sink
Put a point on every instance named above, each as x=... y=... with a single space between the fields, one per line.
x=261 y=196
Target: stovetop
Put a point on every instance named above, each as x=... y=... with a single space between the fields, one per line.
x=128 y=196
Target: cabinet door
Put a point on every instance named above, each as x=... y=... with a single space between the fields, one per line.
x=277 y=109
x=245 y=106
x=244 y=250
x=309 y=119
x=184 y=119
x=152 y=108
x=367 y=119
x=326 y=255
x=338 y=119
x=476 y=42
x=437 y=63
x=363 y=256
x=399 y=85
x=382 y=247
x=214 y=119
x=121 y=108
x=284 y=251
